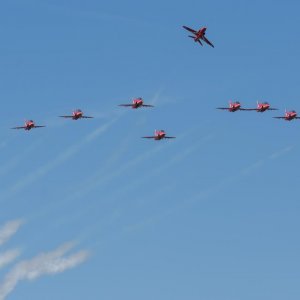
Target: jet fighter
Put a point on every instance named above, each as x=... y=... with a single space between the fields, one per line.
x=77 y=114
x=28 y=125
x=233 y=106
x=289 y=115
x=136 y=103
x=159 y=135
x=199 y=35
x=261 y=107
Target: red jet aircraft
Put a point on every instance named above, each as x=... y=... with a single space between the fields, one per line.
x=159 y=135
x=136 y=103
x=289 y=116
x=233 y=106
x=77 y=114
x=261 y=107
x=28 y=125
x=198 y=35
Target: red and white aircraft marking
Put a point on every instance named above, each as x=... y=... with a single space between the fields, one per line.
x=289 y=115
x=136 y=103
x=28 y=125
x=261 y=107
x=77 y=114
x=199 y=35
x=159 y=135
x=233 y=106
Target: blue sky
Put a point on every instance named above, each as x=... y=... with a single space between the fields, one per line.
x=89 y=209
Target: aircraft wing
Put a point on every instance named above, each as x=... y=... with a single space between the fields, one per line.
x=39 y=126
x=126 y=105
x=223 y=108
x=189 y=29
x=147 y=105
x=86 y=117
x=270 y=108
x=170 y=137
x=19 y=127
x=148 y=137
x=66 y=116
x=200 y=42
x=207 y=41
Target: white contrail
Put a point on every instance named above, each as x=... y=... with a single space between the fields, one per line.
x=209 y=191
x=261 y=162
x=8 y=257
x=281 y=152
x=243 y=172
x=156 y=97
x=174 y=160
x=102 y=177
x=43 y=264
x=8 y=230
x=69 y=152
x=15 y=161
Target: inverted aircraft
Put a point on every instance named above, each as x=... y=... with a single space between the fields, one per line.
x=199 y=35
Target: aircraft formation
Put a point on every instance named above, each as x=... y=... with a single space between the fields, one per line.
x=78 y=114
x=199 y=36
x=261 y=107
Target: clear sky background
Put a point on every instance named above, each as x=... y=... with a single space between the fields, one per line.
x=211 y=215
